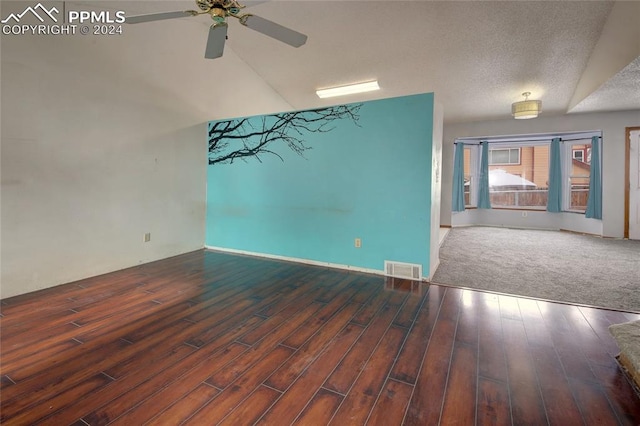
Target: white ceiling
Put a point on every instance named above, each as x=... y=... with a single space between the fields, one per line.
x=477 y=56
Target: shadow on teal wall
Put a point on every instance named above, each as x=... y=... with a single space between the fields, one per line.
x=365 y=176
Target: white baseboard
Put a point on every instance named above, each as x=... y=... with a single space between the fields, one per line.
x=297 y=260
x=432 y=272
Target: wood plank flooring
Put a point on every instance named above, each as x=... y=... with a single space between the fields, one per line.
x=213 y=338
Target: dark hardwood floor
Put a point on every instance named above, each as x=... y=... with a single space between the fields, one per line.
x=212 y=338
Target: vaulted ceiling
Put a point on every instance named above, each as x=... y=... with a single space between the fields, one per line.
x=477 y=56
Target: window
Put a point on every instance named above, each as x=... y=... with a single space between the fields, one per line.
x=581 y=152
x=504 y=156
x=577 y=190
x=467 y=176
x=517 y=176
x=519 y=171
x=521 y=183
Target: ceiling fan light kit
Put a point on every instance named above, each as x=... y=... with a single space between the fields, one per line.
x=348 y=89
x=219 y=10
x=526 y=109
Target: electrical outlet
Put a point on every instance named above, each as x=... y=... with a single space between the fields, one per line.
x=524 y=214
x=358 y=243
x=147 y=237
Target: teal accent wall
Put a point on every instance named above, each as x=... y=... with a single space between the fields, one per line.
x=370 y=180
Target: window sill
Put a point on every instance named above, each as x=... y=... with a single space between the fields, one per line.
x=524 y=209
x=519 y=209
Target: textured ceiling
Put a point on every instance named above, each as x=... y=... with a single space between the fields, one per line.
x=621 y=92
x=477 y=56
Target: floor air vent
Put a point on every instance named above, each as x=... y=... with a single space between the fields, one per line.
x=403 y=270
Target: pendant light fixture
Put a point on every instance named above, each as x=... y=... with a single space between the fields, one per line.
x=526 y=109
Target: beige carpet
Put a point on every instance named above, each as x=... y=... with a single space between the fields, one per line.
x=550 y=265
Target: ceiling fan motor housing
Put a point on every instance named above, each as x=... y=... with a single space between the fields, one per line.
x=218 y=15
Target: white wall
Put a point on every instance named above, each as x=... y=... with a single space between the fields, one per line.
x=103 y=139
x=612 y=125
x=436 y=187
x=530 y=220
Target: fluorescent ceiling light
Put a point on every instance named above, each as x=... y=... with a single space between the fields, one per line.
x=348 y=90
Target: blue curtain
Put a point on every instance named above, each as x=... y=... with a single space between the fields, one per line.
x=554 y=202
x=594 y=202
x=483 y=191
x=458 y=178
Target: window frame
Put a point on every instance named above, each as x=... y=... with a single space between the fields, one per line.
x=567 y=151
x=474 y=170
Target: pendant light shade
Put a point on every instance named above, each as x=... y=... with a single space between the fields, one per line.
x=526 y=109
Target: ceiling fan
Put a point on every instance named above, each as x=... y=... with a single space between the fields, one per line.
x=219 y=10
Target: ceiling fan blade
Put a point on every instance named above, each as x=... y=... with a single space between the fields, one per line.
x=251 y=3
x=277 y=31
x=215 y=41
x=157 y=16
